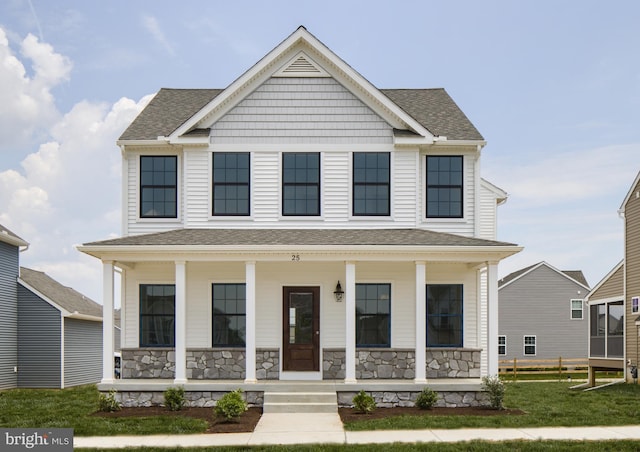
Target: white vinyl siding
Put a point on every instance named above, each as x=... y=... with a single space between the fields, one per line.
x=197 y=196
x=488 y=214
x=301 y=111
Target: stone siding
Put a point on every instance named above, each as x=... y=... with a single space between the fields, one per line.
x=333 y=366
x=216 y=364
x=453 y=363
x=385 y=364
x=388 y=399
x=148 y=363
x=193 y=398
x=268 y=364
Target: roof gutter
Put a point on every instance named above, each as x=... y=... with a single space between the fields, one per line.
x=76 y=315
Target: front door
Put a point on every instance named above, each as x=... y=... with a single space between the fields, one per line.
x=301 y=329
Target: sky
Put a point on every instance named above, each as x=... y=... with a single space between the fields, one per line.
x=553 y=86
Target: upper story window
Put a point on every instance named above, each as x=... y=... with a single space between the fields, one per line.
x=231 y=183
x=157 y=315
x=444 y=186
x=444 y=315
x=300 y=183
x=373 y=315
x=228 y=315
x=635 y=304
x=371 y=183
x=158 y=186
x=529 y=345
x=576 y=309
x=502 y=345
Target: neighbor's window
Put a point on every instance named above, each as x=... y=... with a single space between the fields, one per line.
x=576 y=309
x=371 y=183
x=502 y=345
x=529 y=345
x=229 y=315
x=373 y=315
x=444 y=186
x=158 y=186
x=230 y=183
x=444 y=315
x=157 y=315
x=301 y=183
x=635 y=301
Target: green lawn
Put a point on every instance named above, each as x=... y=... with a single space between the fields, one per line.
x=545 y=404
x=73 y=408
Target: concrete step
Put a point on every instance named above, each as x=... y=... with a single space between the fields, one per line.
x=300 y=402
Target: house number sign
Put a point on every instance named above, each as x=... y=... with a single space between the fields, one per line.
x=295 y=258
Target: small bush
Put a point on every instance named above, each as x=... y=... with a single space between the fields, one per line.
x=231 y=405
x=174 y=398
x=426 y=399
x=108 y=402
x=364 y=403
x=495 y=388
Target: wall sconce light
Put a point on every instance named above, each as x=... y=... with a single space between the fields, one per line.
x=338 y=293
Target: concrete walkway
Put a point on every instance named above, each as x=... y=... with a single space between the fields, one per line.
x=326 y=428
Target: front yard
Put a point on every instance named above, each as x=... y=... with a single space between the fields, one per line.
x=544 y=404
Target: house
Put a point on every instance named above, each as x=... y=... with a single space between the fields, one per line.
x=59 y=334
x=606 y=324
x=50 y=335
x=303 y=224
x=542 y=314
x=10 y=247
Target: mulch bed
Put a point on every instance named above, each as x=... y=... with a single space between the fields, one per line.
x=247 y=422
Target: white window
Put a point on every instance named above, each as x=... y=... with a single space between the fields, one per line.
x=529 y=345
x=576 y=309
x=635 y=301
x=502 y=345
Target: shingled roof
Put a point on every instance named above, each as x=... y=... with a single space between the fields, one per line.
x=65 y=297
x=576 y=275
x=434 y=109
x=301 y=237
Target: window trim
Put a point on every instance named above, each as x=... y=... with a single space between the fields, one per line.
x=213 y=283
x=140 y=285
x=461 y=315
x=572 y=310
x=525 y=345
x=504 y=345
x=364 y=216
x=367 y=283
x=249 y=185
x=320 y=185
x=139 y=186
x=425 y=186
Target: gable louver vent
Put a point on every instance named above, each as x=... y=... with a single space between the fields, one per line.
x=301 y=66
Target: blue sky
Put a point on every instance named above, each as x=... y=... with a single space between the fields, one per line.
x=554 y=87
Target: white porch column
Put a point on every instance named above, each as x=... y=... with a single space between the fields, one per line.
x=421 y=323
x=107 y=323
x=181 y=323
x=492 y=318
x=250 y=328
x=350 y=327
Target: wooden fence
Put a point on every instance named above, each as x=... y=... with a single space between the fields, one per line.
x=555 y=366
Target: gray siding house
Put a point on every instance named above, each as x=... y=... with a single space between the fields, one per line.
x=10 y=245
x=59 y=334
x=542 y=314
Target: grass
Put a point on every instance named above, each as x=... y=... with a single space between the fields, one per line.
x=545 y=404
x=73 y=408
x=473 y=446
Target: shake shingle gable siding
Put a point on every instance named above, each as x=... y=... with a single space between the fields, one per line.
x=317 y=237
x=434 y=109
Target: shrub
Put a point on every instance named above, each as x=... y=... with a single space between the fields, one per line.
x=231 y=405
x=174 y=398
x=426 y=399
x=364 y=403
x=108 y=402
x=495 y=387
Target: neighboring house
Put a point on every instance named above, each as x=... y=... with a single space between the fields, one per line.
x=303 y=224
x=10 y=245
x=542 y=314
x=606 y=324
x=59 y=334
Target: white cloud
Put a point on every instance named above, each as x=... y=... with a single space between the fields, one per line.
x=27 y=103
x=152 y=25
